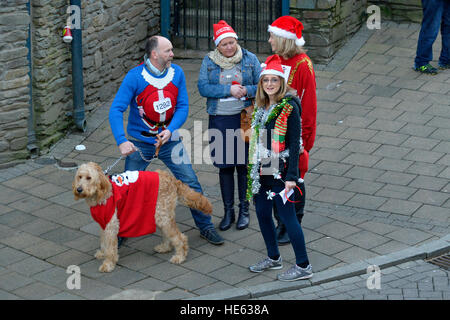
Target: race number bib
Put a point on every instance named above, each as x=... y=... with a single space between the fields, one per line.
x=162 y=105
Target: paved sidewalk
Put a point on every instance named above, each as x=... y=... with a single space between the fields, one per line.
x=378 y=192
x=412 y=280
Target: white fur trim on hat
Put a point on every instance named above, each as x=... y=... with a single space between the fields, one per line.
x=286 y=34
x=225 y=35
x=300 y=42
x=272 y=72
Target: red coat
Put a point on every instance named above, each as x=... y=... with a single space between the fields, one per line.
x=134 y=195
x=303 y=79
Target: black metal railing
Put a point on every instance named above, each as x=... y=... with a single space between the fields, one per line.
x=192 y=21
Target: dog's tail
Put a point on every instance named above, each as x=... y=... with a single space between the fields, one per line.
x=193 y=199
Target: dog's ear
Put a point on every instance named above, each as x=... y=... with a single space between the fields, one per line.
x=103 y=186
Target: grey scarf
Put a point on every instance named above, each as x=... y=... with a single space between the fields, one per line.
x=224 y=62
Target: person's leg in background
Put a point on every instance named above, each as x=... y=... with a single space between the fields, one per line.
x=444 y=58
x=431 y=22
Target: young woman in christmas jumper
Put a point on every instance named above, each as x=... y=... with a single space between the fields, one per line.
x=286 y=40
x=273 y=168
x=228 y=79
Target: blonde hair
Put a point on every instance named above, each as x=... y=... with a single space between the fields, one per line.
x=262 y=99
x=286 y=48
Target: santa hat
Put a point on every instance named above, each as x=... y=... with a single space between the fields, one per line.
x=221 y=31
x=272 y=66
x=288 y=27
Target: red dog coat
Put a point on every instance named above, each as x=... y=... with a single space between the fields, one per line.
x=134 y=195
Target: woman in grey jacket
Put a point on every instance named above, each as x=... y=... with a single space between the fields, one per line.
x=228 y=79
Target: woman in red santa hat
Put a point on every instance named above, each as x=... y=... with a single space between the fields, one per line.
x=287 y=41
x=274 y=150
x=228 y=79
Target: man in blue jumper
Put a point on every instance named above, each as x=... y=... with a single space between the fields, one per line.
x=157 y=95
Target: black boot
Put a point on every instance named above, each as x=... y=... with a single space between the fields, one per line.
x=243 y=218
x=228 y=218
x=244 y=215
x=226 y=178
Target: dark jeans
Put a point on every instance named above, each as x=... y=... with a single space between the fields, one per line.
x=287 y=215
x=436 y=14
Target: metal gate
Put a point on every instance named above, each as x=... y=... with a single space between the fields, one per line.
x=192 y=22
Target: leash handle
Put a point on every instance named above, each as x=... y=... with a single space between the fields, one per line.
x=156 y=151
x=158 y=147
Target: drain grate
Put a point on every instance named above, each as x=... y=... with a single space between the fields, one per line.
x=441 y=261
x=66 y=165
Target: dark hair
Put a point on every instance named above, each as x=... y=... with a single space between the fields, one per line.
x=151 y=44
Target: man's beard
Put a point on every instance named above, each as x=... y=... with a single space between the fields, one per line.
x=166 y=63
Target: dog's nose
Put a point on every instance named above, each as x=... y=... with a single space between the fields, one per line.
x=79 y=190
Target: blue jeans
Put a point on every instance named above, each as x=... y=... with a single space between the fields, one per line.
x=436 y=13
x=287 y=215
x=180 y=166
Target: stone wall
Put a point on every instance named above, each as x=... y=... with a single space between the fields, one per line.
x=400 y=10
x=328 y=24
x=113 y=37
x=14 y=80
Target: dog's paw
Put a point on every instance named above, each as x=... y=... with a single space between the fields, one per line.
x=163 y=248
x=107 y=266
x=177 y=259
x=99 y=255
